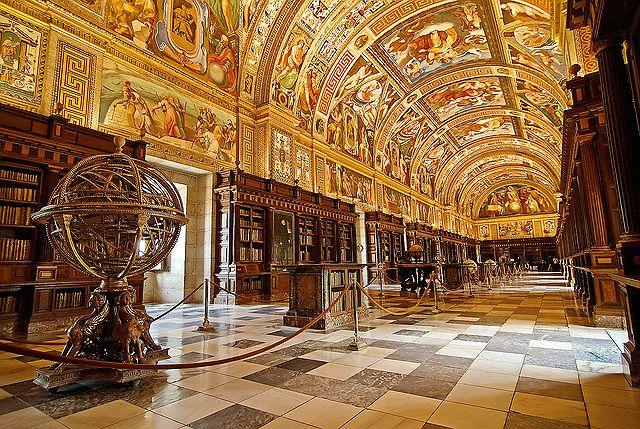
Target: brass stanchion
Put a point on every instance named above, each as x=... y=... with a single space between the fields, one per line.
x=435 y=310
x=357 y=343
x=206 y=326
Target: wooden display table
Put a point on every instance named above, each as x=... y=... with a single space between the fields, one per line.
x=314 y=286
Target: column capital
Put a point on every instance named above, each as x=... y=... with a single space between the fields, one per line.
x=610 y=40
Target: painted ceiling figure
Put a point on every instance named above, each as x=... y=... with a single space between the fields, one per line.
x=137 y=111
x=291 y=62
x=184 y=22
x=173 y=116
x=437 y=45
x=226 y=63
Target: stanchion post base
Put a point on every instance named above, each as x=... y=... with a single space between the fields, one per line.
x=206 y=327
x=436 y=311
x=52 y=379
x=357 y=344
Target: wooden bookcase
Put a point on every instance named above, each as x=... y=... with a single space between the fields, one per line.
x=38 y=292
x=262 y=223
x=388 y=230
x=423 y=235
x=307 y=245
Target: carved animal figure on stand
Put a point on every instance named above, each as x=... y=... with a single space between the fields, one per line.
x=131 y=330
x=86 y=327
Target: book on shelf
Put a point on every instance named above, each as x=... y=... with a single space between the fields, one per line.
x=12 y=215
x=8 y=304
x=19 y=176
x=14 y=249
x=18 y=194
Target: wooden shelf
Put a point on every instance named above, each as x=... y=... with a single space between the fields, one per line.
x=20 y=182
x=19 y=202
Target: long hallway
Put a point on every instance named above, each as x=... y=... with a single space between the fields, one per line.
x=521 y=356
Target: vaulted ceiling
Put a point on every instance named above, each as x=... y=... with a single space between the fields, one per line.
x=454 y=99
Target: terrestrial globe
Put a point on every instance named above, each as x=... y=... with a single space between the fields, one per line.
x=470 y=265
x=415 y=252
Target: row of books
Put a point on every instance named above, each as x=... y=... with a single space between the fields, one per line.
x=8 y=304
x=69 y=299
x=19 y=175
x=346 y=303
x=305 y=256
x=14 y=249
x=252 y=284
x=19 y=194
x=12 y=215
x=306 y=240
x=249 y=234
x=250 y=254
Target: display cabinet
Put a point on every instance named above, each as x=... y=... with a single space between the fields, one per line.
x=315 y=286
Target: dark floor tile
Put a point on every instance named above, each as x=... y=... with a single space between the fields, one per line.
x=451 y=361
x=33 y=394
x=527 y=310
x=26 y=359
x=376 y=378
x=74 y=403
x=417 y=353
x=476 y=338
x=596 y=350
x=11 y=404
x=405 y=321
x=174 y=375
x=509 y=342
x=234 y=417
x=356 y=394
x=272 y=376
x=551 y=358
x=523 y=421
x=422 y=386
x=295 y=351
x=270 y=359
x=410 y=332
x=473 y=314
x=310 y=384
x=536 y=386
x=280 y=333
x=388 y=344
x=301 y=364
x=437 y=371
x=244 y=344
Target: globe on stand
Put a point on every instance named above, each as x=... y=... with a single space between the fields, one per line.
x=111 y=217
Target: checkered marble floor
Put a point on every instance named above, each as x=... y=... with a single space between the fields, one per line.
x=521 y=356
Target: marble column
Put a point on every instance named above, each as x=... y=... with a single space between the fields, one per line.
x=624 y=139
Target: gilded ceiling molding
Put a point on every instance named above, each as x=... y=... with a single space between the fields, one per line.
x=466 y=177
x=516 y=172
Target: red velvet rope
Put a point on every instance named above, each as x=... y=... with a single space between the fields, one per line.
x=11 y=348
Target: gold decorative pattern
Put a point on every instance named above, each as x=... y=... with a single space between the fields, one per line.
x=74 y=83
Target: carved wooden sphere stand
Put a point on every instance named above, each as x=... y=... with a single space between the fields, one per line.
x=111 y=217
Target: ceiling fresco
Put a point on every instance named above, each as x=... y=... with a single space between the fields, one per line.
x=453 y=99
